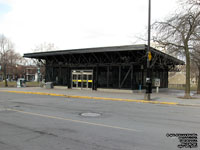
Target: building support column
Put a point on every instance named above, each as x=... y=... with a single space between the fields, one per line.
x=69 y=80
x=52 y=74
x=120 y=67
x=59 y=76
x=167 y=77
x=95 y=78
x=142 y=82
x=108 y=76
x=132 y=77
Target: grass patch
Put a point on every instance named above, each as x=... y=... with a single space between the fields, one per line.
x=182 y=87
x=32 y=84
x=10 y=84
x=14 y=84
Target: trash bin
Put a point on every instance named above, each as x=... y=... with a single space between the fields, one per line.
x=49 y=85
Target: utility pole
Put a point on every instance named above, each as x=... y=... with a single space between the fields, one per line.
x=149 y=57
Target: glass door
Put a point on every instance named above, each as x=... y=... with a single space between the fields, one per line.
x=74 y=80
x=79 y=80
x=82 y=79
x=89 y=81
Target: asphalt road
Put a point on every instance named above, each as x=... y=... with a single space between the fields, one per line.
x=36 y=122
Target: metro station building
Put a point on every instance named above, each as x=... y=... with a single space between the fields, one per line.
x=116 y=67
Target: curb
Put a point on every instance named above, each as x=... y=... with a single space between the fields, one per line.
x=100 y=98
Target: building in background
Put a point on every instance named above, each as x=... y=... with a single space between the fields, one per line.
x=29 y=73
x=179 y=79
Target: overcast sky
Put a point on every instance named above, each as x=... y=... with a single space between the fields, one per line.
x=78 y=23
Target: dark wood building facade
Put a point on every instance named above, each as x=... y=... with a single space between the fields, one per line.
x=117 y=67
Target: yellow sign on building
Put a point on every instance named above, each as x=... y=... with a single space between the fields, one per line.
x=149 y=56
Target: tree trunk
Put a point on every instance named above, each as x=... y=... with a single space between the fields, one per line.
x=6 y=83
x=198 y=85
x=187 y=86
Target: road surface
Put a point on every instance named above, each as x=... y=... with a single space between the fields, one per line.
x=37 y=122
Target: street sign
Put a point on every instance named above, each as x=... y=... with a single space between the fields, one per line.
x=157 y=82
x=149 y=56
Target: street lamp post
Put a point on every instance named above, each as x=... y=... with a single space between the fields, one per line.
x=148 y=77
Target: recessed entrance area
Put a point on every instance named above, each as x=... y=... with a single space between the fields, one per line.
x=82 y=79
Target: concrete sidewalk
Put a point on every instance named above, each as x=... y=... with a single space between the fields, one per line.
x=166 y=96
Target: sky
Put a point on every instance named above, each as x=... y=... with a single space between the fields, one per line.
x=70 y=24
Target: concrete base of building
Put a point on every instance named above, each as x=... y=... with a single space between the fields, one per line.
x=61 y=87
x=114 y=90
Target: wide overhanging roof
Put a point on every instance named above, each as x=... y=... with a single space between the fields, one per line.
x=142 y=47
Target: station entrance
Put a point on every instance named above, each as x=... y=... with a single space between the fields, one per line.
x=82 y=79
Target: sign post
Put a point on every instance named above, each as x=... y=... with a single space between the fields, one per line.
x=38 y=71
x=149 y=57
x=157 y=85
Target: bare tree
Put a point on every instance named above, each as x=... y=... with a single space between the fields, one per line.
x=189 y=3
x=8 y=57
x=14 y=58
x=6 y=46
x=194 y=2
x=41 y=48
x=44 y=47
x=177 y=34
x=41 y=63
x=195 y=55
